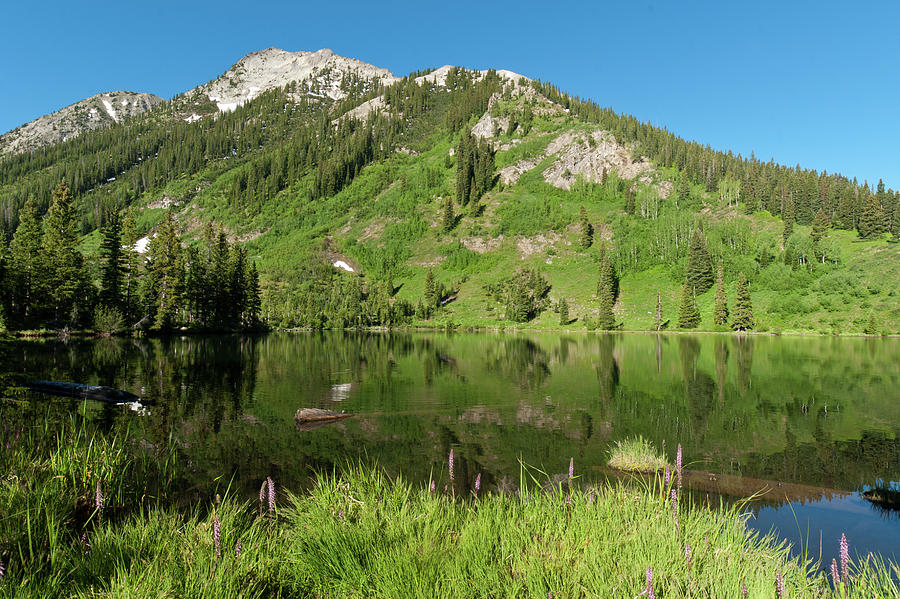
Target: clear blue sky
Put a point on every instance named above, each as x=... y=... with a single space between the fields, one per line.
x=814 y=83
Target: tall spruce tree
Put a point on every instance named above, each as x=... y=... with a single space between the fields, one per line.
x=688 y=314
x=699 y=267
x=112 y=265
x=253 y=308
x=563 y=312
x=659 y=314
x=820 y=226
x=788 y=215
x=720 y=313
x=429 y=294
x=742 y=319
x=871 y=221
x=131 y=267
x=608 y=278
x=66 y=281
x=164 y=274
x=587 y=229
x=606 y=318
x=448 y=220
x=27 y=265
x=683 y=189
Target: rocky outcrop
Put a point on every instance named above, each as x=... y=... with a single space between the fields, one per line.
x=95 y=112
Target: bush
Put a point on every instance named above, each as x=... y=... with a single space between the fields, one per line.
x=108 y=320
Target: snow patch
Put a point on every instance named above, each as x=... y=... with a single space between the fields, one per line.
x=140 y=246
x=227 y=106
x=109 y=109
x=193 y=118
x=343 y=266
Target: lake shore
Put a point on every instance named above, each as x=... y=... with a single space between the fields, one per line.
x=96 y=516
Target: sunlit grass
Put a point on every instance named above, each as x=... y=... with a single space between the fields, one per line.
x=636 y=455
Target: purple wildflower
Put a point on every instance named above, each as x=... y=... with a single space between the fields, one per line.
x=262 y=496
x=744 y=590
x=270 y=486
x=217 y=535
x=568 y=500
x=478 y=483
x=238 y=547
x=687 y=553
x=649 y=589
x=450 y=465
x=674 y=504
x=571 y=468
x=668 y=475
x=834 y=575
x=445 y=489
x=98 y=501
x=591 y=496
x=845 y=557
x=779 y=586
x=341 y=514
x=678 y=466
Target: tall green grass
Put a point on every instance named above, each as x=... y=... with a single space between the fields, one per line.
x=363 y=534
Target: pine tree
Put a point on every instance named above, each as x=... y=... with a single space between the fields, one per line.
x=742 y=320
x=871 y=325
x=820 y=226
x=131 y=265
x=429 y=295
x=720 y=314
x=163 y=275
x=449 y=219
x=587 y=229
x=688 y=315
x=699 y=267
x=658 y=310
x=683 y=190
x=629 y=201
x=66 y=281
x=111 y=258
x=606 y=319
x=563 y=312
x=895 y=224
x=871 y=221
x=788 y=215
x=27 y=264
x=608 y=279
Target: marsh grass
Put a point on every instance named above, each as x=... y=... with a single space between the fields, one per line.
x=362 y=533
x=636 y=455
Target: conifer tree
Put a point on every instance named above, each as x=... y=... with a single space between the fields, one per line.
x=683 y=191
x=871 y=221
x=699 y=267
x=448 y=220
x=429 y=295
x=629 y=201
x=27 y=264
x=112 y=267
x=131 y=264
x=742 y=319
x=164 y=274
x=66 y=279
x=658 y=310
x=871 y=324
x=688 y=314
x=608 y=279
x=720 y=313
x=788 y=215
x=606 y=319
x=820 y=226
x=563 y=312
x=587 y=229
x=895 y=224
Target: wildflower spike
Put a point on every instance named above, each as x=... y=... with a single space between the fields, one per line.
x=217 y=535
x=845 y=558
x=271 y=488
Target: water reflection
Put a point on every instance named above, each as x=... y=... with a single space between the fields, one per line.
x=819 y=412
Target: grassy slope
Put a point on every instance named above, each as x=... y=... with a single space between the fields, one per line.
x=390 y=214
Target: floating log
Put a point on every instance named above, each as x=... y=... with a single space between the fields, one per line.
x=310 y=418
x=81 y=391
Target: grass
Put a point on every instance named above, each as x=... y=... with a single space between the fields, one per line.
x=636 y=455
x=362 y=533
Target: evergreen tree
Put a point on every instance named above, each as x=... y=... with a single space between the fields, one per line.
x=820 y=226
x=629 y=201
x=683 y=190
x=563 y=312
x=66 y=281
x=429 y=295
x=606 y=319
x=871 y=324
x=742 y=320
x=688 y=315
x=587 y=229
x=164 y=266
x=449 y=219
x=699 y=267
x=112 y=265
x=27 y=264
x=720 y=314
x=659 y=314
x=131 y=265
x=871 y=221
x=788 y=215
x=608 y=279
x=895 y=224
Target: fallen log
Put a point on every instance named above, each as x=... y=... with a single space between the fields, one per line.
x=81 y=391
x=310 y=418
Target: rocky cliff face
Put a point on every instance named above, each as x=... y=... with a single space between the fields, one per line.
x=321 y=74
x=95 y=112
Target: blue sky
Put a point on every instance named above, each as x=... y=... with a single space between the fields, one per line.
x=810 y=83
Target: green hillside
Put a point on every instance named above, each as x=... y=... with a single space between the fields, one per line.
x=509 y=193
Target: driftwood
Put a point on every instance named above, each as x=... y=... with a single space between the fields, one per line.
x=80 y=391
x=310 y=418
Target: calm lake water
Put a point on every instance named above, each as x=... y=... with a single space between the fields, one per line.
x=812 y=421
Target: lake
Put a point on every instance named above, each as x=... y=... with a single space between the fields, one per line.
x=811 y=421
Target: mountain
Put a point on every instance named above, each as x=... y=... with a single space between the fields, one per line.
x=456 y=197
x=91 y=113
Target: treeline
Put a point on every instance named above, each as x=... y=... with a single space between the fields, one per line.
x=795 y=194
x=46 y=282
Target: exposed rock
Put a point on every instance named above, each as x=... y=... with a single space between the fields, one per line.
x=528 y=246
x=587 y=155
x=480 y=245
x=95 y=112
x=510 y=174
